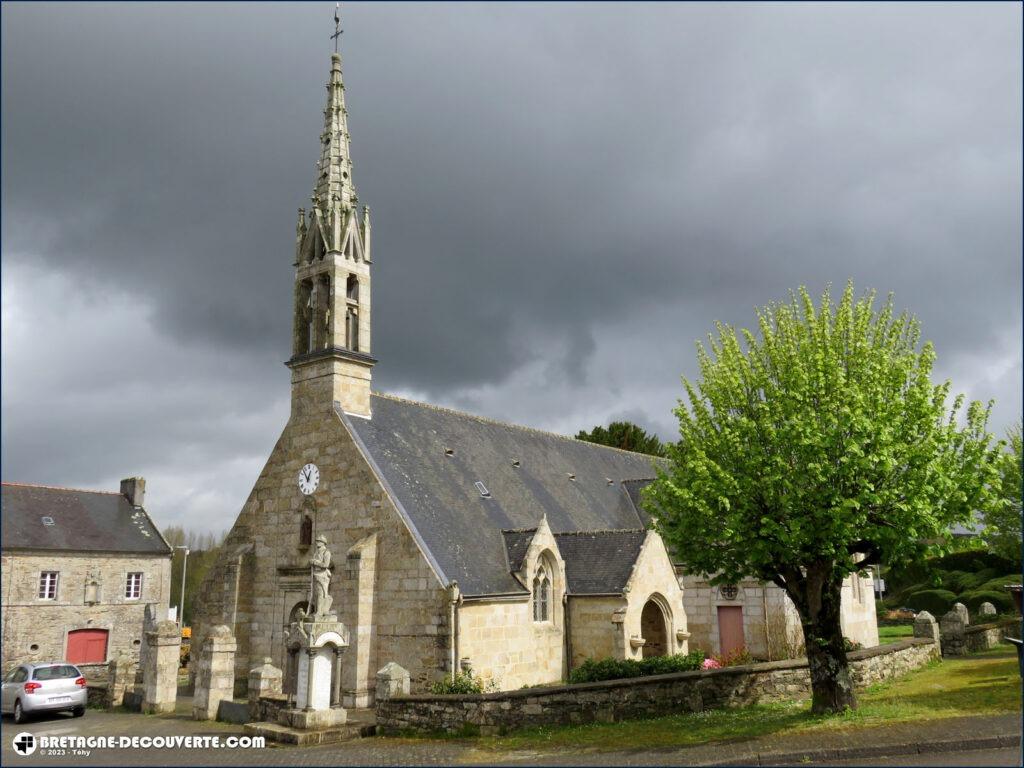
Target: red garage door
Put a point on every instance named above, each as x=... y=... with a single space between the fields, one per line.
x=87 y=646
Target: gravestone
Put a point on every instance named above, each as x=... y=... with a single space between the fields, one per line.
x=987 y=609
x=215 y=675
x=964 y=614
x=160 y=677
x=926 y=626
x=392 y=680
x=953 y=633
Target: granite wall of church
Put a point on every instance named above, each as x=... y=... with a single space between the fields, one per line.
x=771 y=624
x=383 y=588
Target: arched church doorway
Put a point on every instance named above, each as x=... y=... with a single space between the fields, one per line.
x=654 y=630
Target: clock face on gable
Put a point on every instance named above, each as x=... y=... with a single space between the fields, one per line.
x=309 y=479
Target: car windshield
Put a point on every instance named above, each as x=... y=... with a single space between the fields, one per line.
x=56 y=672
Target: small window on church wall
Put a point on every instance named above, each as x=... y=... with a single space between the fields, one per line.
x=352 y=288
x=306 y=531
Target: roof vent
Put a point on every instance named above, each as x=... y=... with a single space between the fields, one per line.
x=610 y=481
x=572 y=475
x=449 y=451
x=515 y=463
x=47 y=520
x=483 y=489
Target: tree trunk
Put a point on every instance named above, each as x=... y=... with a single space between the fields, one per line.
x=831 y=684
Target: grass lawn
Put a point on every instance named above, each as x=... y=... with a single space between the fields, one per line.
x=892 y=634
x=986 y=683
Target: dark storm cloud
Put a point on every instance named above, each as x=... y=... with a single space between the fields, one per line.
x=564 y=196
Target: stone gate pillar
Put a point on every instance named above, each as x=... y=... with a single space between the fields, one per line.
x=954 y=638
x=120 y=675
x=160 y=676
x=926 y=626
x=215 y=675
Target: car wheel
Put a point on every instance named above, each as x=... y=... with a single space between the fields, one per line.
x=19 y=713
x=78 y=711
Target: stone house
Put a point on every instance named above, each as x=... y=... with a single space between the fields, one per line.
x=457 y=542
x=78 y=570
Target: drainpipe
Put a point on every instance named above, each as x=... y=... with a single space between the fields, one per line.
x=567 y=636
x=453 y=628
x=764 y=606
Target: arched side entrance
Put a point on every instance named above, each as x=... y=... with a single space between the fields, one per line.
x=654 y=629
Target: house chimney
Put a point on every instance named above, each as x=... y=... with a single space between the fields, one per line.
x=134 y=489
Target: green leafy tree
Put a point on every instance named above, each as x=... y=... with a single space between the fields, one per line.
x=1003 y=521
x=814 y=451
x=203 y=551
x=624 y=435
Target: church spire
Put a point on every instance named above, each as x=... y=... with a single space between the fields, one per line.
x=334 y=190
x=331 y=358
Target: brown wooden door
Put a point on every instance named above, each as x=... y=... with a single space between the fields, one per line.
x=730 y=629
x=87 y=646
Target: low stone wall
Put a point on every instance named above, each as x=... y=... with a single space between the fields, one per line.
x=615 y=700
x=981 y=637
x=265 y=708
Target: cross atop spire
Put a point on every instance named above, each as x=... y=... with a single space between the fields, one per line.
x=338 y=31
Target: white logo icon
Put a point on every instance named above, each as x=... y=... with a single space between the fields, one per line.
x=24 y=744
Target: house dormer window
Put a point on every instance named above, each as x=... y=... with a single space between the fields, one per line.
x=542 y=594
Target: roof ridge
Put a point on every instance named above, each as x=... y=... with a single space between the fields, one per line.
x=58 y=488
x=498 y=422
x=518 y=530
x=601 y=530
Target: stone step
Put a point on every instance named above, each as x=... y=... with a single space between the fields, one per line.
x=285 y=735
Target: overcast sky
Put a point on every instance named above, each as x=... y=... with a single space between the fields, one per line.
x=565 y=197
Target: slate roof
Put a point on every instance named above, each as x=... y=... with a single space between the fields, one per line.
x=577 y=485
x=632 y=489
x=599 y=562
x=83 y=521
x=596 y=562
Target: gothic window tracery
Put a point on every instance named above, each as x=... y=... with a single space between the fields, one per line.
x=542 y=593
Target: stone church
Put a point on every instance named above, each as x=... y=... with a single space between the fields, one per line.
x=457 y=542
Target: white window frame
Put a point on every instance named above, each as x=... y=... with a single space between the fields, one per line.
x=133 y=585
x=49 y=582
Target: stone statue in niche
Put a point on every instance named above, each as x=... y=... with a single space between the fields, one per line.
x=320 y=568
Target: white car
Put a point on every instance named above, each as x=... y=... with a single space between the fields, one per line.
x=52 y=687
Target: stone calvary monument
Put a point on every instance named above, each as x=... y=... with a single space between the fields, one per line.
x=315 y=641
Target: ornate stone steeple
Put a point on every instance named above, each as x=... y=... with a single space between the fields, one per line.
x=331 y=358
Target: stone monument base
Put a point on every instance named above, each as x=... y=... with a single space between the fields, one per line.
x=312 y=719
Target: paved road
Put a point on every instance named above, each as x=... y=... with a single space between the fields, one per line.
x=377 y=751
x=977 y=757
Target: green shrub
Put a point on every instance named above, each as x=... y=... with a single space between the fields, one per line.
x=935 y=601
x=593 y=670
x=851 y=645
x=973 y=600
x=974 y=560
x=462 y=683
x=996 y=584
x=735 y=658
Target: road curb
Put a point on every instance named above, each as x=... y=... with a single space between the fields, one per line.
x=881 y=750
